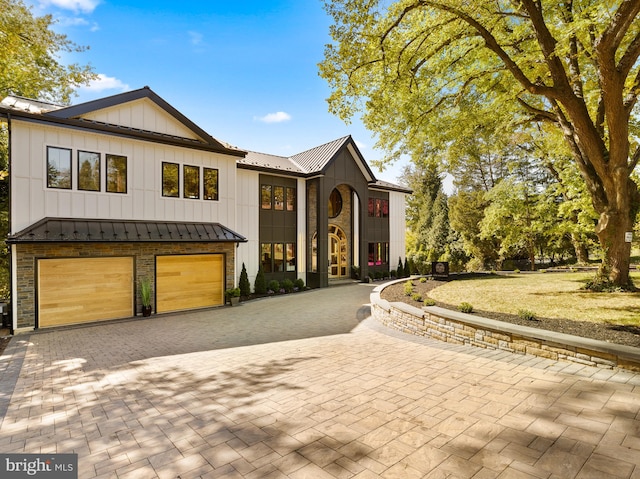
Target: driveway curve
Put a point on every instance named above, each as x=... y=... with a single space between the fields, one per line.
x=308 y=386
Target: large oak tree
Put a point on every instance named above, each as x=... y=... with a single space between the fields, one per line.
x=416 y=69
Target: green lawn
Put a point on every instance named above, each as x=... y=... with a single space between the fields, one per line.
x=551 y=295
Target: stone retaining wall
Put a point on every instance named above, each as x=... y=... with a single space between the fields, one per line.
x=460 y=328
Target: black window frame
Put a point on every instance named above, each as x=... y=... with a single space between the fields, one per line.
x=205 y=190
x=49 y=183
x=177 y=166
x=108 y=157
x=187 y=172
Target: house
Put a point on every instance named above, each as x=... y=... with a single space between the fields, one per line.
x=111 y=191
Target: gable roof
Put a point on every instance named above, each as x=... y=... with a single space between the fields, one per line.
x=73 y=116
x=312 y=162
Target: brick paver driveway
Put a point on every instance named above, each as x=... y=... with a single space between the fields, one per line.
x=305 y=386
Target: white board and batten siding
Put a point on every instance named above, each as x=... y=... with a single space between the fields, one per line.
x=397 y=226
x=33 y=200
x=248 y=222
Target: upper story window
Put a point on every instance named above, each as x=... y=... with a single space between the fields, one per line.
x=378 y=207
x=210 y=183
x=58 y=168
x=291 y=199
x=88 y=171
x=116 y=173
x=278 y=198
x=265 y=197
x=170 y=179
x=191 y=179
x=335 y=203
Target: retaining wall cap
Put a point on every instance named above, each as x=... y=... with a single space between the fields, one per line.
x=619 y=350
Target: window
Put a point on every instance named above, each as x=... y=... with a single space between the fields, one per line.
x=170 y=179
x=278 y=257
x=265 y=257
x=265 y=194
x=371 y=205
x=335 y=203
x=278 y=198
x=378 y=254
x=88 y=171
x=58 y=168
x=291 y=199
x=191 y=187
x=378 y=207
x=210 y=184
x=291 y=256
x=116 y=174
x=385 y=208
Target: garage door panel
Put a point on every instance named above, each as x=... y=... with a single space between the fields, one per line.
x=80 y=290
x=189 y=282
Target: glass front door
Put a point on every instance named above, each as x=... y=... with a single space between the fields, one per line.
x=337 y=252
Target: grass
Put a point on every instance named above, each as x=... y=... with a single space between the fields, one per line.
x=550 y=295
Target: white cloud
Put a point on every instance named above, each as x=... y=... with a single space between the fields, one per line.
x=85 y=6
x=277 y=117
x=360 y=145
x=103 y=82
x=196 y=38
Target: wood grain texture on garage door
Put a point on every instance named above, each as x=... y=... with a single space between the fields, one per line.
x=80 y=290
x=189 y=281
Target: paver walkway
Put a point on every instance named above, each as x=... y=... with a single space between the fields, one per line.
x=306 y=386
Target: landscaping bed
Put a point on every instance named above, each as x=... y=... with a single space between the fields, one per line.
x=628 y=335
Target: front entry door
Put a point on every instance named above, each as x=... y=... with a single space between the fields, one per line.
x=337 y=252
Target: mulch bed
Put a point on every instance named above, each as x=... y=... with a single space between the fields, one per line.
x=625 y=335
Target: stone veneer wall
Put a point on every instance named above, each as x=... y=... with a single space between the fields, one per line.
x=144 y=264
x=465 y=329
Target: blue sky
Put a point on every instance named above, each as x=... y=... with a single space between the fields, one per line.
x=245 y=71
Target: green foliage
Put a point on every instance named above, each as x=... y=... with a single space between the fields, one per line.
x=145 y=291
x=400 y=269
x=243 y=284
x=526 y=314
x=393 y=273
x=232 y=293
x=429 y=302
x=30 y=56
x=416 y=297
x=287 y=285
x=465 y=307
x=299 y=283
x=423 y=280
x=408 y=288
x=260 y=283
x=407 y=269
x=273 y=286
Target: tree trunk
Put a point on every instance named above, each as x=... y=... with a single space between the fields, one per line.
x=611 y=230
x=580 y=248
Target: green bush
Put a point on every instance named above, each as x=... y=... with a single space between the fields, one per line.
x=408 y=288
x=299 y=283
x=416 y=297
x=378 y=274
x=423 y=280
x=260 y=284
x=465 y=308
x=393 y=273
x=244 y=285
x=429 y=302
x=274 y=286
x=407 y=268
x=400 y=269
x=526 y=314
x=287 y=285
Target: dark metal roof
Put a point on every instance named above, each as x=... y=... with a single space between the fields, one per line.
x=100 y=230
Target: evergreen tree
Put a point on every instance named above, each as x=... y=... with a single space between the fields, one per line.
x=260 y=284
x=407 y=269
x=244 y=285
x=400 y=270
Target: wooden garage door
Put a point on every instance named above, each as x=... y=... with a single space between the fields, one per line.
x=189 y=281
x=81 y=290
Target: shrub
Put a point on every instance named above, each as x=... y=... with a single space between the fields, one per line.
x=378 y=274
x=423 y=280
x=516 y=270
x=393 y=273
x=287 y=285
x=371 y=276
x=526 y=314
x=407 y=269
x=416 y=297
x=273 y=285
x=429 y=302
x=243 y=284
x=400 y=268
x=408 y=288
x=465 y=308
x=299 y=283
x=260 y=284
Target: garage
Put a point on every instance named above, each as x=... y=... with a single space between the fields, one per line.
x=82 y=290
x=189 y=281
